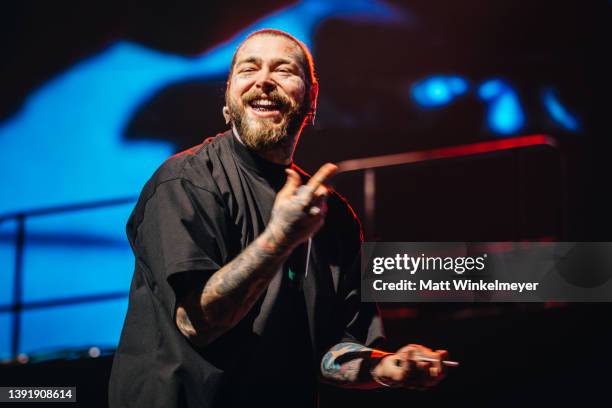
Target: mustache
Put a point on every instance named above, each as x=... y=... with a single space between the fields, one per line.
x=274 y=96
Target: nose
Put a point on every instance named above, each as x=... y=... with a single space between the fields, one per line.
x=264 y=81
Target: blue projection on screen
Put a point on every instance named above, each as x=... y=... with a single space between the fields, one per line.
x=66 y=146
x=504 y=115
x=8 y=234
x=438 y=90
x=5 y=338
x=558 y=112
x=504 y=111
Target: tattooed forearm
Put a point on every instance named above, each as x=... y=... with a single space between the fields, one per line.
x=345 y=365
x=230 y=292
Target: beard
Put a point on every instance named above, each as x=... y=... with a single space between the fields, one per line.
x=261 y=134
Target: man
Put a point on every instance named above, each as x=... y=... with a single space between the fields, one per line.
x=246 y=287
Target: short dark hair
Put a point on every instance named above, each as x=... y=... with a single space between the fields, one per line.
x=305 y=59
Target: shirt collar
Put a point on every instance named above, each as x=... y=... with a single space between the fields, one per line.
x=273 y=172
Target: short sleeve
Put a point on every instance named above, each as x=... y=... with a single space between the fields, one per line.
x=182 y=230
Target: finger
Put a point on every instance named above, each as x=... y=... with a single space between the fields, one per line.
x=413 y=348
x=434 y=378
x=305 y=194
x=434 y=371
x=406 y=353
x=425 y=353
x=423 y=365
x=405 y=349
x=442 y=355
x=324 y=173
x=435 y=357
x=321 y=191
x=421 y=349
x=423 y=370
x=291 y=185
x=410 y=366
x=423 y=357
x=437 y=372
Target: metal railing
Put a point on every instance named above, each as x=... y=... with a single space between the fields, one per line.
x=369 y=164
x=18 y=305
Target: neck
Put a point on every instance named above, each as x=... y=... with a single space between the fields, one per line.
x=281 y=154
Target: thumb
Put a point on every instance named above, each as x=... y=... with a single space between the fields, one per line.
x=293 y=182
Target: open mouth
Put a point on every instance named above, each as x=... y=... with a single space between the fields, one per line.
x=265 y=107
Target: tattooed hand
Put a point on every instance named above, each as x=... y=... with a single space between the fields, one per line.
x=299 y=210
x=352 y=365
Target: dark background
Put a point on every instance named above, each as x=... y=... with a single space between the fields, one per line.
x=511 y=355
x=364 y=73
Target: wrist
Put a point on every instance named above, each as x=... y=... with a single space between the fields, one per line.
x=378 y=372
x=274 y=242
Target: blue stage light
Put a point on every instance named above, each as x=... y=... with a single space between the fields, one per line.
x=557 y=112
x=504 y=114
x=438 y=90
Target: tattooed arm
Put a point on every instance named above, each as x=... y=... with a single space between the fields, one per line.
x=352 y=365
x=349 y=364
x=208 y=311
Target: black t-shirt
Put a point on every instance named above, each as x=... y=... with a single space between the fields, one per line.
x=200 y=210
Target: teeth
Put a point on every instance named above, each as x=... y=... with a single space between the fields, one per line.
x=263 y=103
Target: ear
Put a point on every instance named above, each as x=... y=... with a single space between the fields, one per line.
x=313 y=94
x=226 y=115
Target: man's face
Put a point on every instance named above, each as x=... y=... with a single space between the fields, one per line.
x=266 y=92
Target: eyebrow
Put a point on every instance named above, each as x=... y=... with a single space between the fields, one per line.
x=275 y=61
x=251 y=60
